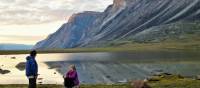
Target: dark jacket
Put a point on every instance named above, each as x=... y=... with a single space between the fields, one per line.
x=31 y=66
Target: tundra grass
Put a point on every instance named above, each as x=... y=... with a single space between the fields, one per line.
x=60 y=86
x=174 y=81
x=171 y=81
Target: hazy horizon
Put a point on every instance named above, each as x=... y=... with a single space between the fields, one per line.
x=29 y=21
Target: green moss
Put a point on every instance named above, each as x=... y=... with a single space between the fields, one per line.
x=175 y=81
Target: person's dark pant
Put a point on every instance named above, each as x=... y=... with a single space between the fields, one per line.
x=68 y=83
x=32 y=83
x=68 y=87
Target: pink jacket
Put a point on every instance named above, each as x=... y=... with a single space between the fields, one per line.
x=73 y=74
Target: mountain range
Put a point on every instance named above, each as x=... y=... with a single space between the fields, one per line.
x=125 y=20
x=15 y=47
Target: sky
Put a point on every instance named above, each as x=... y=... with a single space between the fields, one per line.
x=29 y=21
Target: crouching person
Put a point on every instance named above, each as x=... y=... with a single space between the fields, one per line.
x=71 y=78
x=31 y=69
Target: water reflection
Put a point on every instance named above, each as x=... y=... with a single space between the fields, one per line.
x=101 y=67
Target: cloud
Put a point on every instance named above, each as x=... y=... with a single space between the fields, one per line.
x=44 y=11
x=20 y=39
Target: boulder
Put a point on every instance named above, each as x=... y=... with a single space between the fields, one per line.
x=140 y=84
x=4 y=71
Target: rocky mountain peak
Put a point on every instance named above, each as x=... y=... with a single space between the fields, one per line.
x=81 y=15
x=122 y=20
x=71 y=18
x=119 y=3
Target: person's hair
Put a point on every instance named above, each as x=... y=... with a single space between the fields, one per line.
x=33 y=53
x=73 y=67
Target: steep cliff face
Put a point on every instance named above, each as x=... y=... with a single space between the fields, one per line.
x=69 y=34
x=137 y=15
x=123 y=20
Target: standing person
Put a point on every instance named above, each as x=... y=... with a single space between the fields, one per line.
x=71 y=78
x=32 y=69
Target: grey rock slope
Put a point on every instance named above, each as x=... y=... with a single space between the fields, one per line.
x=70 y=33
x=126 y=18
x=181 y=31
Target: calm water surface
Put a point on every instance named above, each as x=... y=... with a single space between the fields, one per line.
x=102 y=67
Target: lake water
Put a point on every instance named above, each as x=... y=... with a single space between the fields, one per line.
x=102 y=67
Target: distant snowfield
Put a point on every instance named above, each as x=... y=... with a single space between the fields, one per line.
x=101 y=67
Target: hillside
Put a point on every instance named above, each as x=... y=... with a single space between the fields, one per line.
x=125 y=20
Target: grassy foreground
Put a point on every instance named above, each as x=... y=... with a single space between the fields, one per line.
x=60 y=86
x=162 y=81
x=174 y=81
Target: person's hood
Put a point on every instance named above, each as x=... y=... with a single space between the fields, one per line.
x=28 y=58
